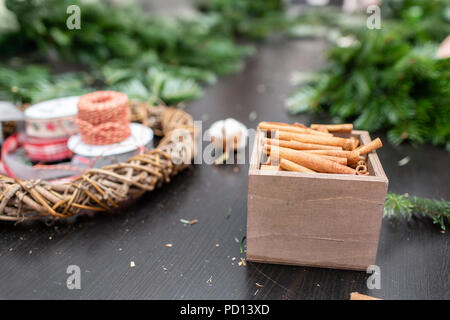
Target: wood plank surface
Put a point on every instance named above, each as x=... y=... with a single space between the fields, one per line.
x=414 y=257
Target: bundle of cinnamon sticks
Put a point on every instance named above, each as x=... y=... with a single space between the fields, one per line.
x=295 y=147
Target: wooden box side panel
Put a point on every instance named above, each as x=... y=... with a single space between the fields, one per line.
x=308 y=221
x=373 y=162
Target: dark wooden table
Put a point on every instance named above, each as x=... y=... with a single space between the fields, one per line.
x=413 y=257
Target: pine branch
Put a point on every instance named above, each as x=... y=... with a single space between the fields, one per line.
x=167 y=59
x=386 y=79
x=254 y=19
x=398 y=206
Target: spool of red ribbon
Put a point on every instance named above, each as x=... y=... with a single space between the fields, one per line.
x=103 y=117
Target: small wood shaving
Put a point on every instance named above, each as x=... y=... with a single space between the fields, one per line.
x=169 y=245
x=259 y=285
x=241 y=244
x=194 y=221
x=228 y=213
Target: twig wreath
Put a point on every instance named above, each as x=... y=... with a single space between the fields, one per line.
x=107 y=188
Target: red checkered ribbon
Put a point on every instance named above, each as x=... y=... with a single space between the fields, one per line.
x=46 y=150
x=14 y=168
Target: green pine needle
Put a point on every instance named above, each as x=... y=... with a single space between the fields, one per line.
x=401 y=206
x=241 y=244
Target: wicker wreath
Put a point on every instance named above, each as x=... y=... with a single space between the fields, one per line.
x=107 y=188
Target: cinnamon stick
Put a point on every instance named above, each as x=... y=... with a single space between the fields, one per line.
x=339 y=160
x=371 y=146
x=300 y=145
x=274 y=126
x=344 y=127
x=292 y=166
x=346 y=144
x=309 y=160
x=355 y=142
x=301 y=125
x=322 y=129
x=276 y=142
x=352 y=156
x=359 y=296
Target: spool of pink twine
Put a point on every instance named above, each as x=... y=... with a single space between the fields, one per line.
x=103 y=117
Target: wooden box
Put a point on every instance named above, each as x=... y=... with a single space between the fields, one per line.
x=315 y=219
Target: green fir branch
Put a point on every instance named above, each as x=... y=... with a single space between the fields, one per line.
x=402 y=206
x=386 y=79
x=156 y=59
